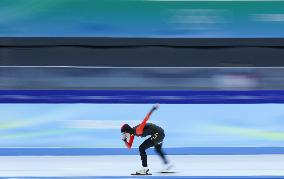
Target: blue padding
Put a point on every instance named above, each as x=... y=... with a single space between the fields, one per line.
x=141 y=96
x=124 y=151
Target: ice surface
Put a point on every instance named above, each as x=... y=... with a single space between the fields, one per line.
x=185 y=165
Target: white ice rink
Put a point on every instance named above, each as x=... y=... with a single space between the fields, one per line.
x=185 y=165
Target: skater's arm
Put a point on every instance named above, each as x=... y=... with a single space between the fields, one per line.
x=129 y=144
x=140 y=128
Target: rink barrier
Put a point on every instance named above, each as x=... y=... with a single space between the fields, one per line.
x=142 y=96
x=135 y=151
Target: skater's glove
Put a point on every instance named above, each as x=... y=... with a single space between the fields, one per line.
x=156 y=106
x=123 y=137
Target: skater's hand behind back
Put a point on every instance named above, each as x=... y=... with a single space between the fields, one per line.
x=156 y=106
x=140 y=128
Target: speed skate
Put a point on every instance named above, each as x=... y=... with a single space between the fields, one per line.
x=141 y=174
x=143 y=171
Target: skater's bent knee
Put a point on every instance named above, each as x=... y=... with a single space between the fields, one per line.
x=142 y=150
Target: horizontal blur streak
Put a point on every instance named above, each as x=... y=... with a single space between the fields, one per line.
x=198 y=19
x=268 y=17
x=142 y=78
x=129 y=18
x=250 y=132
x=97 y=124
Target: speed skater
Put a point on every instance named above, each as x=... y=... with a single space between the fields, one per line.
x=155 y=140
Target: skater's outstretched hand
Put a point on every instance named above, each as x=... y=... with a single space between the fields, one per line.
x=140 y=128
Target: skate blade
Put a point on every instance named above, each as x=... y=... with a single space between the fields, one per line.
x=141 y=174
x=168 y=172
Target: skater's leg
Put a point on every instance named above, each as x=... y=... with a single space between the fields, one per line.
x=161 y=152
x=158 y=141
x=142 y=149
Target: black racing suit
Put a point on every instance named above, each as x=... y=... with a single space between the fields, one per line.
x=157 y=136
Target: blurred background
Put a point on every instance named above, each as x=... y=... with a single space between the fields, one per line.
x=85 y=78
x=141 y=18
x=90 y=63
x=98 y=125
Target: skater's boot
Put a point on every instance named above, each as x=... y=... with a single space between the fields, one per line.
x=143 y=171
x=166 y=168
